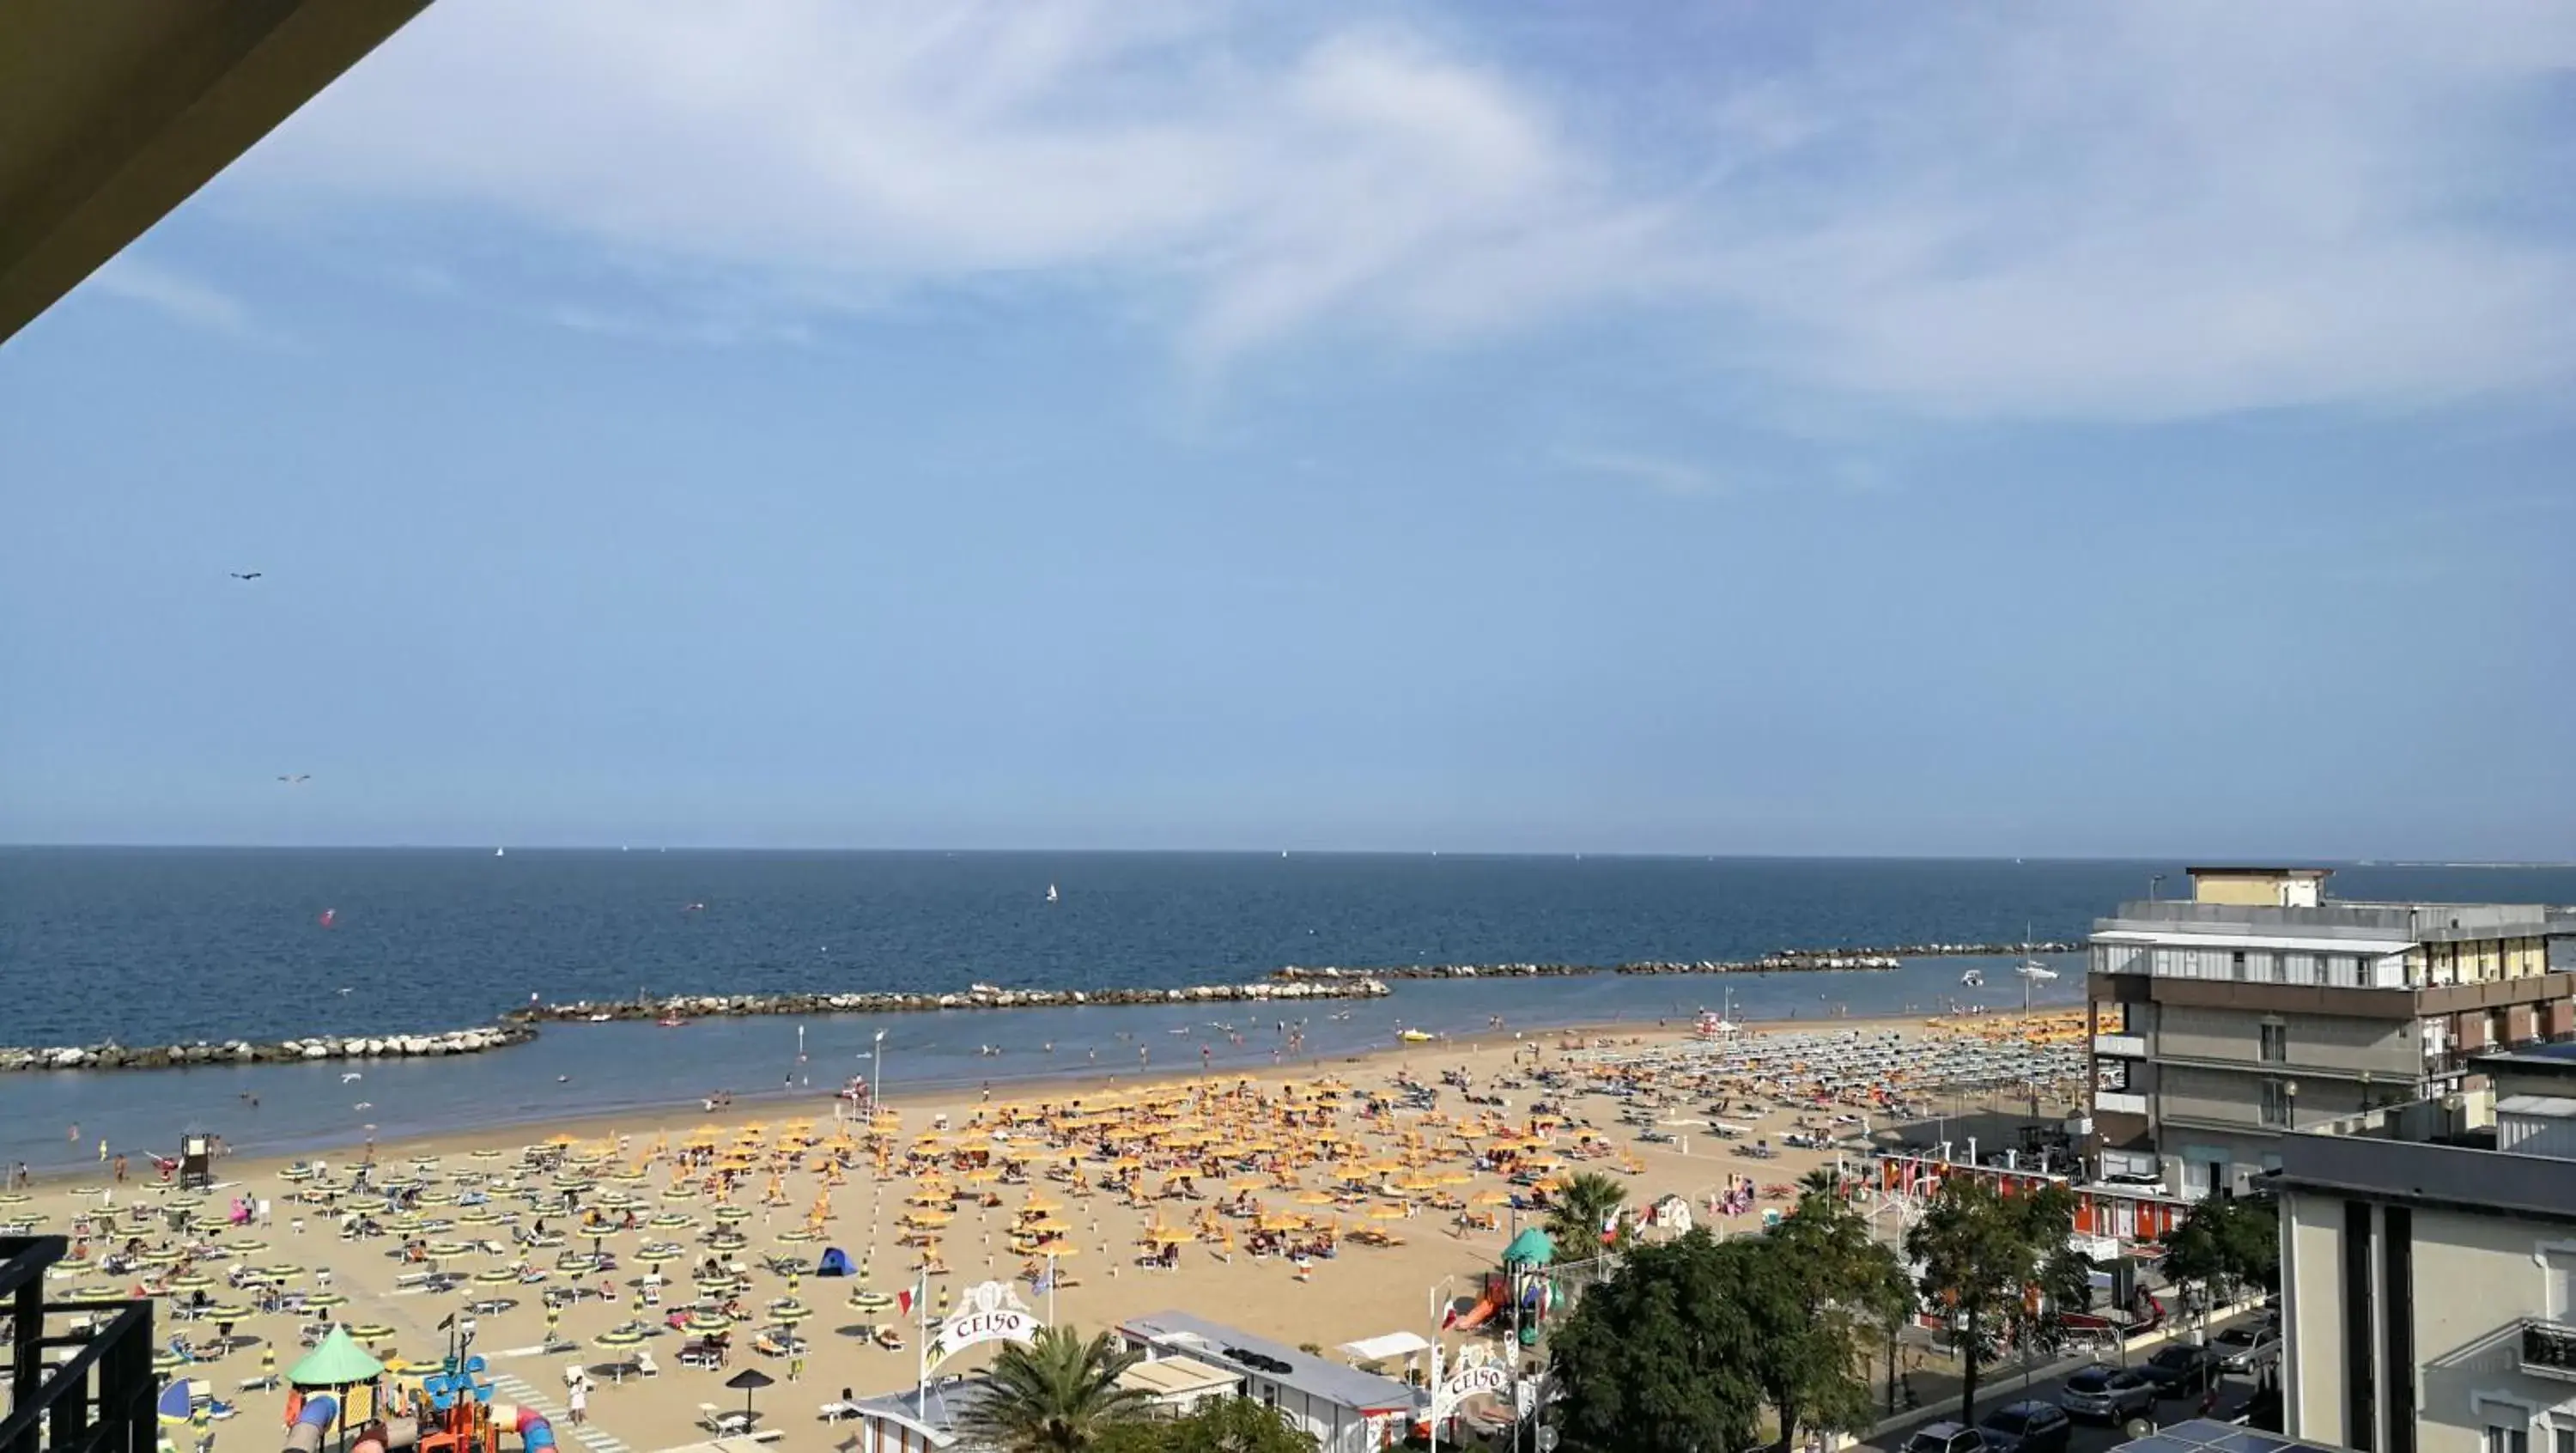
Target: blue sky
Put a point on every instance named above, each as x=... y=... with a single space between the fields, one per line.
x=1718 y=428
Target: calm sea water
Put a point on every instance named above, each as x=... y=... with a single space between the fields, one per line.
x=156 y=946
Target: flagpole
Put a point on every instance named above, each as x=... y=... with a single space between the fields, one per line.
x=921 y=1317
x=1435 y=1393
x=1050 y=1288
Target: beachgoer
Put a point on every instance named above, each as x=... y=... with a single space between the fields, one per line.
x=578 y=1401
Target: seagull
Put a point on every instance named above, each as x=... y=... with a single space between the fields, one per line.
x=349 y=991
x=297 y=780
x=364 y=1105
x=351 y=1075
x=247 y=575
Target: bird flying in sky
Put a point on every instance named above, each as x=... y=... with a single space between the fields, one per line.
x=248 y=575
x=296 y=779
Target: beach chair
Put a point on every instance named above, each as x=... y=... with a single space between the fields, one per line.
x=723 y=1422
x=644 y=1364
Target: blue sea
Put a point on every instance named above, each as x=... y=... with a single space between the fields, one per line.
x=153 y=946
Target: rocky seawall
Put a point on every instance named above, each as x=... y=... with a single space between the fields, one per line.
x=113 y=1056
x=1792 y=961
x=980 y=996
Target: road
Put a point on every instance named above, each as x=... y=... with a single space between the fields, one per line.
x=2001 y=1385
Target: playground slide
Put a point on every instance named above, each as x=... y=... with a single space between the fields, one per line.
x=304 y=1435
x=1473 y=1318
x=392 y=1433
x=536 y=1435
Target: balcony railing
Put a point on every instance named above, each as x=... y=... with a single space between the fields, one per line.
x=2549 y=1349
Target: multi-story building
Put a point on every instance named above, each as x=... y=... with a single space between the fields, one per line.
x=2428 y=1260
x=2260 y=1004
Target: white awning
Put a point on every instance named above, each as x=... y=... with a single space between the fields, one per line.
x=2261 y=941
x=1386 y=1348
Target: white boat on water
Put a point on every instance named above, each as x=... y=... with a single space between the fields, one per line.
x=500 y=852
x=1051 y=893
x=1973 y=979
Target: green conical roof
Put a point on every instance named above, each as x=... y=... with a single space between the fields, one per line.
x=1531 y=1247
x=338 y=1362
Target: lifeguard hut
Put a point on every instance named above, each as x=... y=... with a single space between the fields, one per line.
x=196 y=1162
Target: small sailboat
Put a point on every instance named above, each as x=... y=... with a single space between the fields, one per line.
x=1051 y=893
x=2035 y=971
x=500 y=852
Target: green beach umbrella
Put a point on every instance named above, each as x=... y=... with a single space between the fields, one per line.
x=480 y=1216
x=369 y=1332
x=868 y=1301
x=326 y=1299
x=281 y=1270
x=800 y=1234
x=622 y=1337
x=252 y=1247
x=496 y=1276
x=707 y=1323
x=729 y=1215
x=190 y=1282
x=658 y=1254
x=226 y=1312
x=670 y=1219
x=337 y=1362
x=789 y=1311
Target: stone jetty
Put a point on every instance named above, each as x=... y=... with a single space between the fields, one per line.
x=1791 y=961
x=978 y=996
x=112 y=1056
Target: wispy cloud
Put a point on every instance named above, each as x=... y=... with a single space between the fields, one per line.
x=2137 y=212
x=187 y=299
x=1669 y=477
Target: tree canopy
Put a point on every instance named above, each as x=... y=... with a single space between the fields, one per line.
x=1217 y=1425
x=1684 y=1347
x=1576 y=1212
x=1984 y=1256
x=2224 y=1240
x=1059 y=1394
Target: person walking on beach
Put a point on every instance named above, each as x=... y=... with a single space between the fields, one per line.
x=578 y=1401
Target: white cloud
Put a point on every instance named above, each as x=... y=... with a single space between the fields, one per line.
x=2122 y=211
x=182 y=297
x=1672 y=477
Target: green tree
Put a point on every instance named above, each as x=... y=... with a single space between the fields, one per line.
x=1818 y=1280
x=1661 y=1357
x=1216 y=1425
x=2226 y=1242
x=1059 y=1394
x=1985 y=1253
x=1576 y=1211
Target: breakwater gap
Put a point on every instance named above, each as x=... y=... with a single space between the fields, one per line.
x=1291 y=984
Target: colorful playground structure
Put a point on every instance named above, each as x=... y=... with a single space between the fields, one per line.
x=449 y=1411
x=1522 y=1281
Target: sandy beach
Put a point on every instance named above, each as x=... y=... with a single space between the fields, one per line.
x=1223 y=1177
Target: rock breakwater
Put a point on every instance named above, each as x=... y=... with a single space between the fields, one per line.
x=978 y=996
x=113 y=1056
x=1791 y=961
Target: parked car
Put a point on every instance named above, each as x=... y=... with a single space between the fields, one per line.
x=2182 y=1369
x=2247 y=1347
x=2027 y=1427
x=1947 y=1438
x=2113 y=1394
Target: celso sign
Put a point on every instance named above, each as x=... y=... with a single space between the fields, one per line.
x=973 y=1330
x=988 y=1313
x=1468 y=1382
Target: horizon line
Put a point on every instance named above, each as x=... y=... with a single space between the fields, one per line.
x=2291 y=860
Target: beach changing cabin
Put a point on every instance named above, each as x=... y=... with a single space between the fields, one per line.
x=1344 y=1409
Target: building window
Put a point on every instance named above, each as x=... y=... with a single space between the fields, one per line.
x=2236 y=965
x=2276 y=1103
x=2508 y=1440
x=2276 y=1044
x=2562 y=1440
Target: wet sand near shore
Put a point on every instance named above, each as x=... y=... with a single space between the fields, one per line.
x=1406 y=1178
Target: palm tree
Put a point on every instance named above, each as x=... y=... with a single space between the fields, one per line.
x=1055 y=1395
x=1578 y=1209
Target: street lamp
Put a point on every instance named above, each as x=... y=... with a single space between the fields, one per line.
x=876 y=1084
